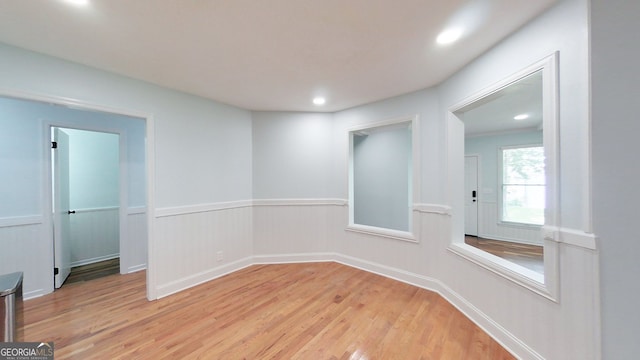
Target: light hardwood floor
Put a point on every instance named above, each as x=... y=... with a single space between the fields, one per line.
x=291 y=311
x=93 y=271
x=529 y=256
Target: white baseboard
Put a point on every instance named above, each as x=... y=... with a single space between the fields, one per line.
x=34 y=294
x=202 y=277
x=293 y=258
x=387 y=271
x=136 y=268
x=510 y=342
x=94 y=260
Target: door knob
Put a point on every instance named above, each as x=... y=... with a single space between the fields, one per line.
x=71 y=212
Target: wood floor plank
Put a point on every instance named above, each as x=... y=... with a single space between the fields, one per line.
x=529 y=256
x=94 y=271
x=289 y=311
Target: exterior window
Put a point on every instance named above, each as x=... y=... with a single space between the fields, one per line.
x=523 y=185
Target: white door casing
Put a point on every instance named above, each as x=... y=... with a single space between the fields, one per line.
x=471 y=195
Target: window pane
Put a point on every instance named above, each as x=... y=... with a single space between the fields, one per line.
x=523 y=165
x=523 y=204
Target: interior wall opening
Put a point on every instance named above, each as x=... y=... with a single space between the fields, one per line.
x=86 y=197
x=508 y=197
x=27 y=123
x=382 y=179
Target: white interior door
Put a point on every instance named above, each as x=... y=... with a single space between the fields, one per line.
x=471 y=195
x=61 y=211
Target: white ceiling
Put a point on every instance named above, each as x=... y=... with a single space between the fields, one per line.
x=269 y=55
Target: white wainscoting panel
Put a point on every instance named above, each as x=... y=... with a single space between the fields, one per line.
x=94 y=235
x=197 y=246
x=28 y=248
x=133 y=252
x=285 y=229
x=489 y=227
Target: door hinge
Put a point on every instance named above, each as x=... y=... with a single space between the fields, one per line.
x=54 y=144
x=56 y=271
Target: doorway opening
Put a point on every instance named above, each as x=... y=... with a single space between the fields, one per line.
x=27 y=122
x=86 y=203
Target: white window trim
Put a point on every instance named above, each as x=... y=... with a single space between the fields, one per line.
x=414 y=188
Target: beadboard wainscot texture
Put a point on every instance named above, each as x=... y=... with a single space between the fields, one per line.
x=289 y=230
x=20 y=236
x=199 y=243
x=133 y=252
x=94 y=235
x=489 y=227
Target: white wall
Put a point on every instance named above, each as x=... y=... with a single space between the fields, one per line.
x=202 y=157
x=292 y=179
x=488 y=149
x=292 y=155
x=568 y=328
x=615 y=78
x=94 y=168
x=382 y=178
x=529 y=324
x=423 y=103
x=94 y=195
x=564 y=29
x=20 y=162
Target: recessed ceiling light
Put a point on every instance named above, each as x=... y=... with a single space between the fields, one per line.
x=319 y=100
x=521 y=117
x=449 y=36
x=78 y=2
